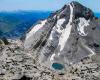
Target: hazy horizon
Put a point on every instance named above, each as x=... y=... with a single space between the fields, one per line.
x=43 y=5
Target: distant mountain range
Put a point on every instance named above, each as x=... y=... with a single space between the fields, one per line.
x=16 y=23
x=97 y=14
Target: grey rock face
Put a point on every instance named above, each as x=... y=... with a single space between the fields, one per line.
x=66 y=37
x=1 y=42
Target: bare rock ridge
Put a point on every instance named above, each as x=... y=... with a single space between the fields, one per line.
x=66 y=37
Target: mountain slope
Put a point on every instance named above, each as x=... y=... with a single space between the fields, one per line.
x=66 y=37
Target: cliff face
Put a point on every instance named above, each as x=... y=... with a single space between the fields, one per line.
x=66 y=37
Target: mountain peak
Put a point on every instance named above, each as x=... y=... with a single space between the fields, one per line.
x=67 y=36
x=78 y=10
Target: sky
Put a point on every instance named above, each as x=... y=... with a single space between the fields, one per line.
x=44 y=5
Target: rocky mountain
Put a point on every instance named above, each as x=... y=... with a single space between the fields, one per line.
x=66 y=37
x=66 y=46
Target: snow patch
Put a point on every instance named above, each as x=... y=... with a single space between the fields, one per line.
x=89 y=49
x=66 y=32
x=57 y=28
x=52 y=57
x=83 y=23
x=36 y=28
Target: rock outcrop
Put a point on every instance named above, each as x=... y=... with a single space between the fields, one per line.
x=4 y=41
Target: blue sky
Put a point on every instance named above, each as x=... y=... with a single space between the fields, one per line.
x=45 y=5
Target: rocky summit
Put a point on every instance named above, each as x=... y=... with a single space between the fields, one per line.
x=66 y=37
x=66 y=46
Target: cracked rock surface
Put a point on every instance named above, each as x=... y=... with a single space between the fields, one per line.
x=18 y=64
